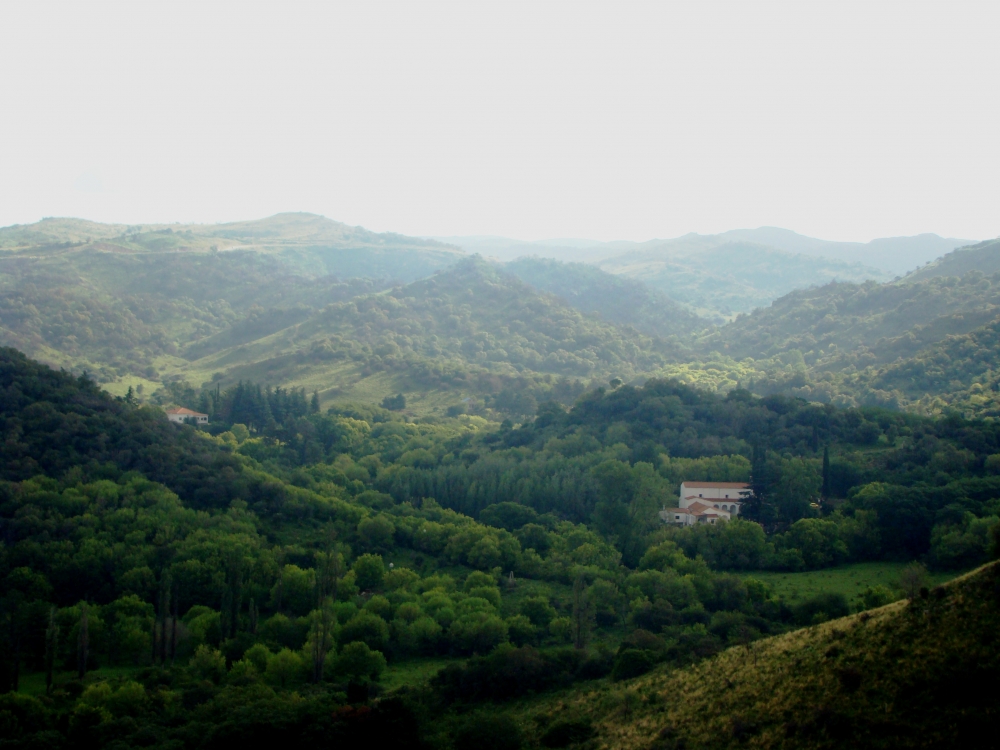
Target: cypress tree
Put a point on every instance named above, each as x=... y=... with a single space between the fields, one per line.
x=825 y=492
x=82 y=642
x=51 y=645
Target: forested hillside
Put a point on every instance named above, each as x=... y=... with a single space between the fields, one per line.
x=469 y=332
x=983 y=257
x=614 y=298
x=117 y=300
x=923 y=345
x=169 y=586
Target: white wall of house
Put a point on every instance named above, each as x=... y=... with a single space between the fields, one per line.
x=724 y=496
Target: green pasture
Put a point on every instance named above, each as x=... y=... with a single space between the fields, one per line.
x=849 y=580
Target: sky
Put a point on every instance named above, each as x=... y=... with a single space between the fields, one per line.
x=602 y=120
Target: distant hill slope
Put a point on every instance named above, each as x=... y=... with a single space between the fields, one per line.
x=908 y=675
x=115 y=299
x=729 y=278
x=615 y=299
x=852 y=315
x=735 y=271
x=983 y=257
x=307 y=244
x=892 y=255
x=471 y=330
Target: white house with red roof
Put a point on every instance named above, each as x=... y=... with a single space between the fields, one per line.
x=182 y=415
x=707 y=502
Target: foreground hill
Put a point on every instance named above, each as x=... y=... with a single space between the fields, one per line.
x=912 y=674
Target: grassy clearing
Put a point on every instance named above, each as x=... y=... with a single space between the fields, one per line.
x=849 y=580
x=412 y=672
x=120 y=387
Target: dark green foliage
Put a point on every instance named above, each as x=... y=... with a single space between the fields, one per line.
x=394 y=403
x=821 y=608
x=489 y=732
x=632 y=662
x=566 y=733
x=510 y=672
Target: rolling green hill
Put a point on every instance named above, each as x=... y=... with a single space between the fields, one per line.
x=983 y=257
x=117 y=300
x=615 y=299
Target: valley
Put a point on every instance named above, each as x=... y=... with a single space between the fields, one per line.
x=425 y=504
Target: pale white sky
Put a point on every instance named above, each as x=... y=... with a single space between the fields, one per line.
x=612 y=120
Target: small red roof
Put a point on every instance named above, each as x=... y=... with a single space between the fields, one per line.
x=186 y=412
x=718 y=485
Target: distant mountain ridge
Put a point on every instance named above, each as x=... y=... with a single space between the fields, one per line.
x=731 y=272
x=893 y=256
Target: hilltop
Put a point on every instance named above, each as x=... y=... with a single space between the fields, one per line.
x=616 y=299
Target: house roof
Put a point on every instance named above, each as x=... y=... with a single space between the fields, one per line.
x=718 y=485
x=186 y=412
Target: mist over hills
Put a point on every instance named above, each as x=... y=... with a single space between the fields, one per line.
x=276 y=301
x=736 y=271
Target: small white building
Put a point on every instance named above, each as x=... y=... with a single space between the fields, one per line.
x=706 y=502
x=182 y=415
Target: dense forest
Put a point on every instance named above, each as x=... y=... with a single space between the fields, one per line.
x=260 y=578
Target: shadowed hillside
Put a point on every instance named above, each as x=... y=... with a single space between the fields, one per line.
x=912 y=674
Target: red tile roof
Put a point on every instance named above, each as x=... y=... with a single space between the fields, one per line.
x=718 y=485
x=186 y=412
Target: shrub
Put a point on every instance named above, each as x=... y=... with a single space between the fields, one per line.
x=208 y=664
x=478 y=632
x=369 y=571
x=875 y=596
x=285 y=669
x=489 y=732
x=359 y=662
x=632 y=662
x=538 y=610
x=821 y=608
x=566 y=733
x=368 y=628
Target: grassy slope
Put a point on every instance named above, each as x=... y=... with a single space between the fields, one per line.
x=919 y=674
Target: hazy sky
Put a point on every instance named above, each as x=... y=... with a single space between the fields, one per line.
x=604 y=120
